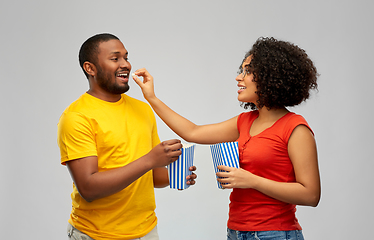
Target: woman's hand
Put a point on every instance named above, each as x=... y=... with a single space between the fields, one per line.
x=146 y=85
x=235 y=177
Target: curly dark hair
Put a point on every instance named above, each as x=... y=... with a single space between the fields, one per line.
x=283 y=73
x=90 y=48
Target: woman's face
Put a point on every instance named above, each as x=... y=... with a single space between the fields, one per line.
x=247 y=87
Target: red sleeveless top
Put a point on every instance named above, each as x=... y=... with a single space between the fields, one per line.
x=265 y=155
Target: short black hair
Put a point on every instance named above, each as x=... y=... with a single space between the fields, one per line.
x=90 y=48
x=282 y=71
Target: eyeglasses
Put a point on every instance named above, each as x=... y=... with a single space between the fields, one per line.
x=245 y=72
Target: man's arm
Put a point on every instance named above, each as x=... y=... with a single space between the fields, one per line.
x=93 y=184
x=160 y=177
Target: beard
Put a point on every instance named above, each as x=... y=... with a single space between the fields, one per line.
x=104 y=81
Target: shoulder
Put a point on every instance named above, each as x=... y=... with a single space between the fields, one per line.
x=245 y=116
x=134 y=101
x=71 y=121
x=245 y=119
x=80 y=105
x=290 y=122
x=293 y=120
x=138 y=106
x=75 y=114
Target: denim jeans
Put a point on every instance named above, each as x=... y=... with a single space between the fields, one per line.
x=264 y=235
x=75 y=234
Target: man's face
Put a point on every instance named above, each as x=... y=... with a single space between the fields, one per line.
x=113 y=68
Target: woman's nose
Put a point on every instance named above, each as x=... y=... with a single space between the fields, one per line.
x=239 y=77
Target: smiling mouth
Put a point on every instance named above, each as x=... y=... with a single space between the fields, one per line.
x=242 y=88
x=123 y=75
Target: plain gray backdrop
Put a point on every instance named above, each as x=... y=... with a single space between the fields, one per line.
x=193 y=49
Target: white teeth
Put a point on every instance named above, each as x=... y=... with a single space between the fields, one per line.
x=123 y=75
x=241 y=88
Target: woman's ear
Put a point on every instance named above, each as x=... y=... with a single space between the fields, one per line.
x=90 y=68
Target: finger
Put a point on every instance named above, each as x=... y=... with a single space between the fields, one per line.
x=136 y=79
x=171 y=141
x=226 y=186
x=224 y=168
x=176 y=153
x=142 y=72
x=174 y=158
x=222 y=174
x=225 y=183
x=191 y=177
x=173 y=150
x=192 y=168
x=191 y=182
x=174 y=147
x=222 y=179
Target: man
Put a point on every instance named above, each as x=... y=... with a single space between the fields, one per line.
x=110 y=145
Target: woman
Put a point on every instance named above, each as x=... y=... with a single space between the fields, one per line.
x=277 y=150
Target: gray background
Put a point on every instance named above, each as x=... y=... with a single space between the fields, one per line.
x=193 y=49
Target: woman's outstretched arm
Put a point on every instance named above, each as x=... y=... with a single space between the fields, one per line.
x=203 y=134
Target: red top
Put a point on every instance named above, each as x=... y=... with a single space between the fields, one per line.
x=265 y=155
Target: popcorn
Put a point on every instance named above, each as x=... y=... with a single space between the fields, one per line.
x=225 y=154
x=179 y=169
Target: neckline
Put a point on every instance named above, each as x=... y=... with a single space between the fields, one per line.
x=266 y=129
x=106 y=102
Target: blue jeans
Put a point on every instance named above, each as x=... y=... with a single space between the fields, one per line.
x=75 y=234
x=264 y=235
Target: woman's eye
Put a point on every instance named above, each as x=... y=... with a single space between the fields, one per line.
x=114 y=59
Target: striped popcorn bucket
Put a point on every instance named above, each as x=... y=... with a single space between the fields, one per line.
x=225 y=154
x=179 y=169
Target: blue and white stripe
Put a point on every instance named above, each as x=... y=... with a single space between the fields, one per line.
x=225 y=154
x=179 y=170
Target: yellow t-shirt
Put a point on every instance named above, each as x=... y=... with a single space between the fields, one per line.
x=117 y=133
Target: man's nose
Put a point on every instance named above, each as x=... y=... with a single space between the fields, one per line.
x=125 y=64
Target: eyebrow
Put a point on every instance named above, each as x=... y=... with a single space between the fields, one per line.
x=116 y=53
x=246 y=66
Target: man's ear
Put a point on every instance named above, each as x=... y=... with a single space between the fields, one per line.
x=90 y=68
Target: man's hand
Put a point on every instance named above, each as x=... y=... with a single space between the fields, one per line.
x=191 y=178
x=165 y=153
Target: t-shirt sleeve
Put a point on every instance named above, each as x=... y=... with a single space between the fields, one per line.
x=292 y=123
x=75 y=137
